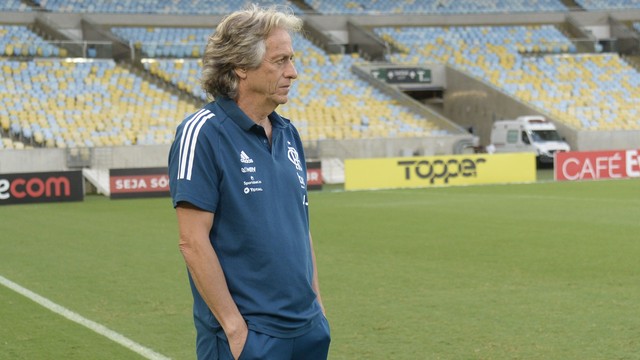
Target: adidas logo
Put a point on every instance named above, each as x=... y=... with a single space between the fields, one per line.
x=245 y=159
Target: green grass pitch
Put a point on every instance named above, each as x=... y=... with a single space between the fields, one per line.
x=531 y=271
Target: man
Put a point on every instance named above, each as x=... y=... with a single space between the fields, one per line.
x=238 y=183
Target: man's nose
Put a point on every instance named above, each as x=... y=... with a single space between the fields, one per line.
x=290 y=71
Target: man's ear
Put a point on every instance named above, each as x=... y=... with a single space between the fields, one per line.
x=241 y=73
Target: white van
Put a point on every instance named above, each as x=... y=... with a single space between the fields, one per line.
x=528 y=134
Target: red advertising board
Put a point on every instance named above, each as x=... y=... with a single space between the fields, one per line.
x=314 y=175
x=153 y=182
x=145 y=182
x=595 y=165
x=41 y=187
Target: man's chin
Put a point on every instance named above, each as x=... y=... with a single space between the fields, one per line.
x=282 y=99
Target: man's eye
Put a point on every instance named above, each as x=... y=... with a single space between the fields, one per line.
x=284 y=60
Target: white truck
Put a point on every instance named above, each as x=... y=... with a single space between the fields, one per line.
x=527 y=134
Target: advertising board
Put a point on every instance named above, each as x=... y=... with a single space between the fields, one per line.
x=403 y=75
x=41 y=187
x=314 y=175
x=415 y=172
x=596 y=165
x=141 y=182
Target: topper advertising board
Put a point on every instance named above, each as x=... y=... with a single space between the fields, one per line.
x=416 y=172
x=596 y=165
x=26 y=188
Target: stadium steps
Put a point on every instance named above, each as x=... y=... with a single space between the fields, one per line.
x=571 y=4
x=50 y=32
x=633 y=60
x=34 y=5
x=98 y=178
x=428 y=111
x=333 y=171
x=308 y=9
x=138 y=69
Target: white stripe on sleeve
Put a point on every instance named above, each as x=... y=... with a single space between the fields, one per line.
x=188 y=142
x=182 y=140
x=192 y=151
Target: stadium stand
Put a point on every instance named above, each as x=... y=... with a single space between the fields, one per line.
x=19 y=40
x=586 y=91
x=327 y=100
x=327 y=7
x=183 y=73
x=177 y=7
x=165 y=42
x=367 y=7
x=65 y=103
x=608 y=4
x=50 y=100
x=14 y=5
x=601 y=93
x=333 y=103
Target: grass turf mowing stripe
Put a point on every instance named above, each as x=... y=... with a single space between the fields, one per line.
x=79 y=319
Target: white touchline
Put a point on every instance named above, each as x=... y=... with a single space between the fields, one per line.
x=92 y=325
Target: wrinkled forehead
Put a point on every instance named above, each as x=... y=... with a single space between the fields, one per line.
x=278 y=43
